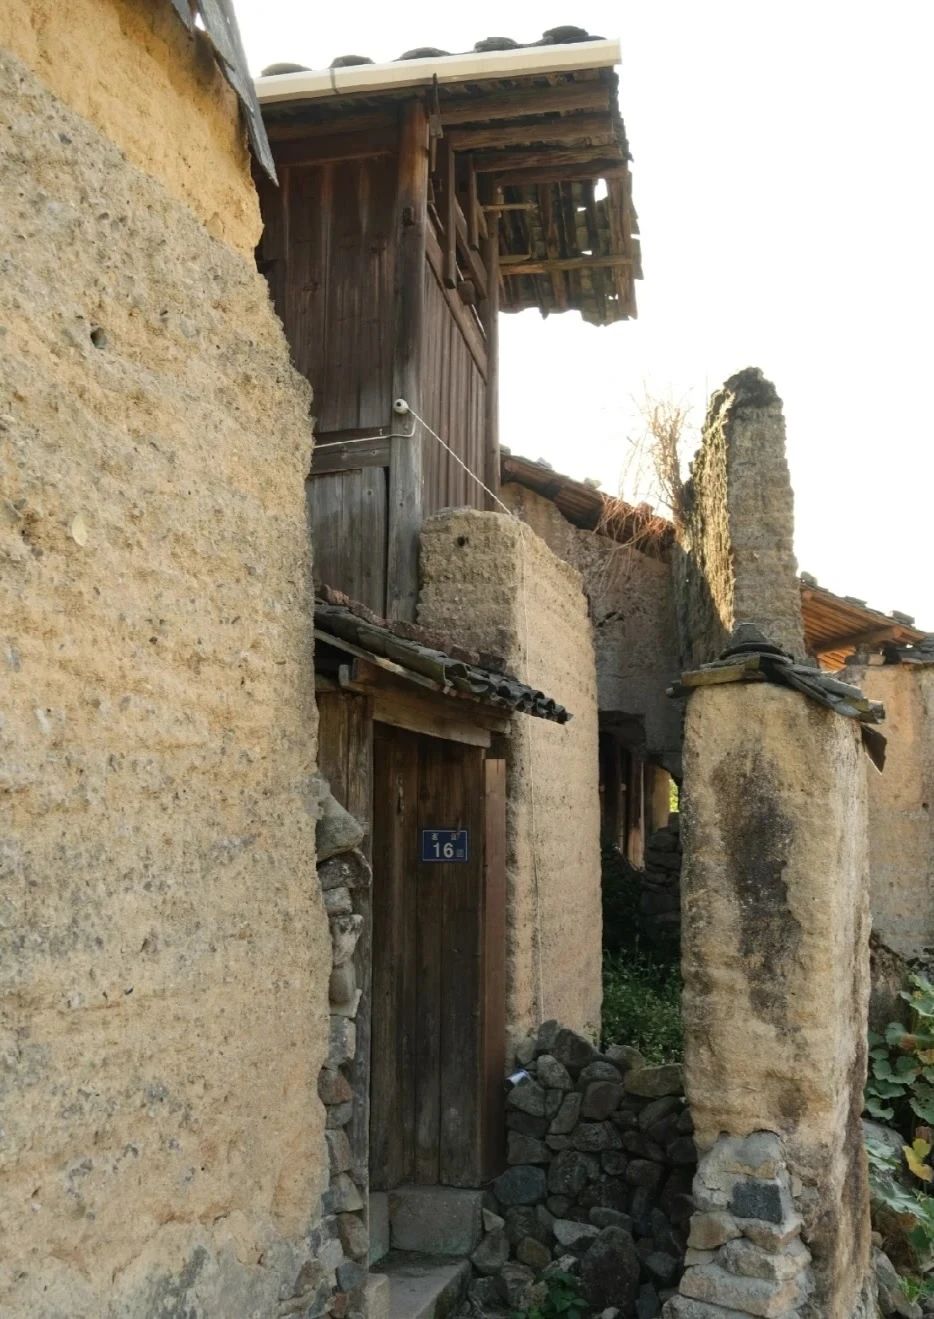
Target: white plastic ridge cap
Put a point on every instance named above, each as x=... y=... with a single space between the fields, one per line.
x=526 y=61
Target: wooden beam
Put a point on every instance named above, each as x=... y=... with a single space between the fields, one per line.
x=341 y=456
x=563 y=263
x=420 y=715
x=405 y=469
x=462 y=315
x=874 y=634
x=336 y=146
x=449 y=213
x=489 y=314
x=582 y=129
x=512 y=176
x=540 y=100
x=571 y=158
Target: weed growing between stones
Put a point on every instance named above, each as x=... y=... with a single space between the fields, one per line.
x=562 y=1299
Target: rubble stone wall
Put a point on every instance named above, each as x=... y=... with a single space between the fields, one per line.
x=601 y=1161
x=901 y=805
x=165 y=947
x=736 y=562
x=632 y=605
x=491 y=582
x=775 y=959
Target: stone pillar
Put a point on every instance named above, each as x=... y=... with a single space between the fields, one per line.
x=901 y=801
x=775 y=956
x=736 y=560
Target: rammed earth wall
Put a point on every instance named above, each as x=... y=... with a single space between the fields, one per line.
x=165 y=947
x=491 y=582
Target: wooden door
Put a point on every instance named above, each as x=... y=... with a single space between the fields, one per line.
x=438 y=999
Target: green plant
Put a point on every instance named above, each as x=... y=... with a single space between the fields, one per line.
x=909 y=1209
x=642 y=1005
x=562 y=1299
x=901 y=1063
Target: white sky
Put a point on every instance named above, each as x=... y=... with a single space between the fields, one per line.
x=781 y=173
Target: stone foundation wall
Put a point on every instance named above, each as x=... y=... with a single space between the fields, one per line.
x=493 y=584
x=601 y=1160
x=165 y=947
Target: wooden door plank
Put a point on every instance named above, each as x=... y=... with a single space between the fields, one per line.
x=405 y=475
x=460 y=1137
x=429 y=924
x=392 y=1114
x=493 y=983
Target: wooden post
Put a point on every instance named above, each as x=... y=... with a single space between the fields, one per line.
x=491 y=327
x=405 y=466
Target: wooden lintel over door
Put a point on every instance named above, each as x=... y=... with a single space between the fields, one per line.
x=438 y=954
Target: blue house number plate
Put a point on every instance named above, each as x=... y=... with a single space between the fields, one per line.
x=445 y=845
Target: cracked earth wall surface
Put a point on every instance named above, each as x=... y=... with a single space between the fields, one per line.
x=489 y=581
x=632 y=604
x=775 y=952
x=165 y=952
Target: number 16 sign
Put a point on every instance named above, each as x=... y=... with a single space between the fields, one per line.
x=445 y=845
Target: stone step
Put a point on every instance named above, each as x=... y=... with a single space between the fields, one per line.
x=435 y=1220
x=424 y=1286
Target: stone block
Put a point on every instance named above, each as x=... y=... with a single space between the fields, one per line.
x=601 y=1098
x=376 y=1296
x=342 y=1044
x=379 y=1225
x=337 y=901
x=333 y=1087
x=570 y=1172
x=653 y=1082
x=345 y=1195
x=757 y=1198
x=625 y=1058
x=751 y=1261
x=771 y=1236
x=754 y=1296
x=492 y=1252
x=345 y=932
x=343 y=983
x=522 y=1185
x=533 y=1254
x=574 y=1236
x=595 y=1136
x=573 y=1050
x=610 y=1271
x=526 y=1123
x=712 y=1229
x=552 y=1074
x=657 y=1109
x=437 y=1220
x=523 y=1221
x=491 y=1221
x=528 y=1097
x=567 y=1116
x=684 y=1307
x=340 y=1156
x=515 y=1285
x=336 y=829
x=598 y=1070
x=526 y=1149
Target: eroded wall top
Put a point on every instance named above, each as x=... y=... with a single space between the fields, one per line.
x=736 y=561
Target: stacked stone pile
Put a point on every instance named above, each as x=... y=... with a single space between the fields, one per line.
x=660 y=896
x=341 y=1239
x=745 y=1254
x=601 y=1161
